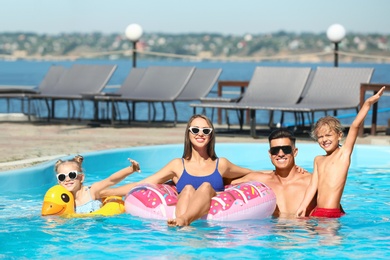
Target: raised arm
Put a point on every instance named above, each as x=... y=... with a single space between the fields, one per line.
x=354 y=129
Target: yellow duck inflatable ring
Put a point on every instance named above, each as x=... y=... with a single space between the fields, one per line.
x=59 y=201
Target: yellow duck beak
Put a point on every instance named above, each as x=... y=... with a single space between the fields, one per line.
x=57 y=201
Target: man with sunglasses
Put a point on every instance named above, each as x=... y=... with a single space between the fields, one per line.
x=288 y=181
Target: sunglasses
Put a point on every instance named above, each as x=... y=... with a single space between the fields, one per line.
x=195 y=130
x=287 y=149
x=72 y=175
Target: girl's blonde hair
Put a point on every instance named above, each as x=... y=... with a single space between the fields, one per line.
x=329 y=121
x=77 y=160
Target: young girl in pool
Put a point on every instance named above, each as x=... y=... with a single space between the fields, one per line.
x=87 y=199
x=331 y=170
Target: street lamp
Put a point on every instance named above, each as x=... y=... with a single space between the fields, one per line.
x=133 y=33
x=336 y=34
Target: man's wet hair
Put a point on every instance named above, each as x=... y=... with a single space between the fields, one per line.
x=282 y=133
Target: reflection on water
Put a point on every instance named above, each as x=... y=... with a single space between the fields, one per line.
x=302 y=232
x=328 y=231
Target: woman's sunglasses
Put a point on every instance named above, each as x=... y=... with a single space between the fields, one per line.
x=195 y=130
x=287 y=149
x=72 y=175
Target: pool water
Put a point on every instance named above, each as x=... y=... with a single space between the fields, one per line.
x=363 y=233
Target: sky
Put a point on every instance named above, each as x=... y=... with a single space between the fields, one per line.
x=237 y=17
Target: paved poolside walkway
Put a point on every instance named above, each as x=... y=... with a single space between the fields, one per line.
x=26 y=144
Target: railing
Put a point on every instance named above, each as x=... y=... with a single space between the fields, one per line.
x=231 y=83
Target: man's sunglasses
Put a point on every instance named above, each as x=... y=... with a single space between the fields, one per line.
x=195 y=130
x=287 y=149
x=72 y=175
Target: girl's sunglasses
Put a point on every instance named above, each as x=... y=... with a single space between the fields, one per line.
x=72 y=175
x=195 y=130
x=287 y=149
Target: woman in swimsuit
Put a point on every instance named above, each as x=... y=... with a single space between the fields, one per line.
x=198 y=175
x=87 y=199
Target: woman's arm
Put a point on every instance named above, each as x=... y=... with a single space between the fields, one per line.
x=252 y=176
x=229 y=170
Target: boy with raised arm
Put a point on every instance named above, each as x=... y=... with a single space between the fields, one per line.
x=330 y=170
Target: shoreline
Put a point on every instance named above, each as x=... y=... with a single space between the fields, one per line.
x=32 y=143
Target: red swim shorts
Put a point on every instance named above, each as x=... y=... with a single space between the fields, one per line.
x=327 y=213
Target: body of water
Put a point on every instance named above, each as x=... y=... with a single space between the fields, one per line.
x=363 y=233
x=30 y=73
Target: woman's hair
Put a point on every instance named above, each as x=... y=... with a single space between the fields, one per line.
x=187 y=154
x=329 y=121
x=77 y=160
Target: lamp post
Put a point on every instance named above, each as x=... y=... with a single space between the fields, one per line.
x=336 y=34
x=133 y=33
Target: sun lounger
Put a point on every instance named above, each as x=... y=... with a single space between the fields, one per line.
x=126 y=89
x=50 y=80
x=331 y=89
x=78 y=80
x=268 y=86
x=200 y=84
x=159 y=84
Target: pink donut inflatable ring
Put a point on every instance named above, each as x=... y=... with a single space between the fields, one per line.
x=244 y=201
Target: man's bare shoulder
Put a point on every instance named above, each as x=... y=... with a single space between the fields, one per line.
x=303 y=176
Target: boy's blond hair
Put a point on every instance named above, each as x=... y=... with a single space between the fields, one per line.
x=331 y=122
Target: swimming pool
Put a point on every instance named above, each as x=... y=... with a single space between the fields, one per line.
x=362 y=233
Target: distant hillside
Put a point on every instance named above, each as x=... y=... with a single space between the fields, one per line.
x=275 y=46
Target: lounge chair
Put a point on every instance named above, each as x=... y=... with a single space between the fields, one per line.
x=126 y=89
x=51 y=78
x=158 y=84
x=78 y=80
x=49 y=81
x=331 y=89
x=200 y=84
x=268 y=86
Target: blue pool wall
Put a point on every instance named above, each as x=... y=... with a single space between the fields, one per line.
x=153 y=158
